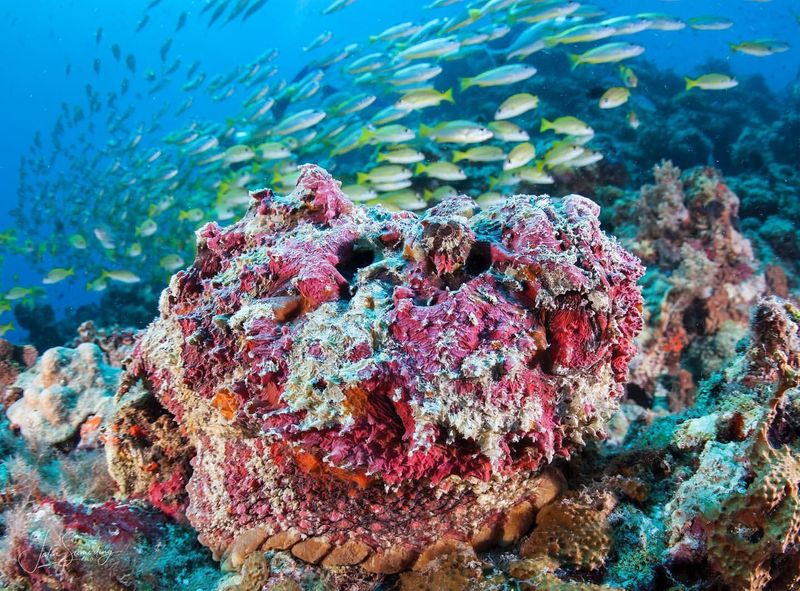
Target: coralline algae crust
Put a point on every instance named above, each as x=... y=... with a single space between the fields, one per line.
x=355 y=378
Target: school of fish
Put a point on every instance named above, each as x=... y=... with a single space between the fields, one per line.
x=383 y=115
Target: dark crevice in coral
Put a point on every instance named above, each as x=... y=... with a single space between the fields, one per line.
x=713 y=209
x=479 y=259
x=694 y=317
x=688 y=573
x=362 y=255
x=783 y=570
x=784 y=428
x=70 y=444
x=734 y=430
x=639 y=395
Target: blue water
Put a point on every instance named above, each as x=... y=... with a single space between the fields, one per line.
x=38 y=40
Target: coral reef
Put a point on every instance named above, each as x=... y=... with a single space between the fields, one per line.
x=701 y=283
x=740 y=511
x=14 y=359
x=111 y=546
x=705 y=499
x=62 y=527
x=68 y=392
x=337 y=398
x=115 y=342
x=359 y=384
x=148 y=454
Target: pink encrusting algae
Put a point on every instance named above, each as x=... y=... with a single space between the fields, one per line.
x=358 y=384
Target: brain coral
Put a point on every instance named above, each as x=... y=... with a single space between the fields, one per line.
x=359 y=384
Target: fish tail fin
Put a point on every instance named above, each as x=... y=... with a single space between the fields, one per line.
x=551 y=41
x=545 y=125
x=424 y=130
x=448 y=96
x=464 y=83
x=734 y=47
x=689 y=83
x=427 y=194
x=361 y=178
x=493 y=180
x=183 y=215
x=380 y=157
x=459 y=156
x=373 y=38
x=419 y=169
x=365 y=137
x=474 y=14
x=575 y=60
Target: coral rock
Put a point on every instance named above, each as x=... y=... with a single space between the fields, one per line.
x=366 y=377
x=13 y=361
x=147 y=453
x=574 y=531
x=740 y=512
x=540 y=574
x=709 y=280
x=65 y=388
x=447 y=566
x=117 y=343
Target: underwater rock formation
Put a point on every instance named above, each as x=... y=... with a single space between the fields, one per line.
x=740 y=511
x=14 y=359
x=115 y=342
x=148 y=455
x=68 y=392
x=111 y=546
x=701 y=284
x=359 y=385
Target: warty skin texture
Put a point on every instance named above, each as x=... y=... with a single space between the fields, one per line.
x=375 y=381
